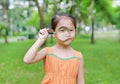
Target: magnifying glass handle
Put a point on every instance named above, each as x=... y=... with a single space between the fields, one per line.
x=51 y=32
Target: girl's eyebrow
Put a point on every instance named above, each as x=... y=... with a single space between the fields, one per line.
x=65 y=27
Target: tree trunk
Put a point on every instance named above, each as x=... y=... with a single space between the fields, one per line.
x=92 y=22
x=5 y=16
x=41 y=14
x=41 y=17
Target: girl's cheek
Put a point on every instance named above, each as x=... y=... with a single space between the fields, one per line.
x=72 y=34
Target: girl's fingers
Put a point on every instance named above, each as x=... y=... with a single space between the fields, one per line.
x=43 y=31
x=46 y=30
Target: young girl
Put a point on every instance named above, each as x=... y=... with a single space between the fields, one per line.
x=62 y=64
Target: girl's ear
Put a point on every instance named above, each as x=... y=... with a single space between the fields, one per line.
x=54 y=35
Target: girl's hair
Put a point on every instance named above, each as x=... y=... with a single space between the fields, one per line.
x=56 y=19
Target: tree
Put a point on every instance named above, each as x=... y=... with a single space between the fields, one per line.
x=92 y=21
x=5 y=5
x=41 y=16
x=117 y=19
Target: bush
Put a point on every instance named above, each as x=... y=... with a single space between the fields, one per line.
x=30 y=35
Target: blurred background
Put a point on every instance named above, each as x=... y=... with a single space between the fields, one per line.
x=98 y=37
x=23 y=18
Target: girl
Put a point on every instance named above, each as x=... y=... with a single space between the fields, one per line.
x=62 y=64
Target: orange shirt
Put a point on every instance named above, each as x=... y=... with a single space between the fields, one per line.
x=61 y=70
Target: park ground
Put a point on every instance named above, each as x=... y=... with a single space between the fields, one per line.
x=101 y=61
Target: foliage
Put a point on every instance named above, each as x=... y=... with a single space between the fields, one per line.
x=48 y=17
x=33 y=21
x=85 y=11
x=23 y=17
x=117 y=17
x=103 y=12
x=3 y=29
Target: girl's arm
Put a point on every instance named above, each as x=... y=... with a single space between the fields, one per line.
x=32 y=54
x=81 y=72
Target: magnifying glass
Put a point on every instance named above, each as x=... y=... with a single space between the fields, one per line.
x=63 y=33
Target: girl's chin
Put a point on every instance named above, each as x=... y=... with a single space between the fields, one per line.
x=67 y=42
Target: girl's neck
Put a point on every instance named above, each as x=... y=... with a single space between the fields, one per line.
x=60 y=46
x=63 y=51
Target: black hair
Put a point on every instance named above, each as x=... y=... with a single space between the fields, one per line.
x=56 y=19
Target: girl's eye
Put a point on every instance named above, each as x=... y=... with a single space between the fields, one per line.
x=62 y=30
x=71 y=30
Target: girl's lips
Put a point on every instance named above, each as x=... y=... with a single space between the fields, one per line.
x=67 y=39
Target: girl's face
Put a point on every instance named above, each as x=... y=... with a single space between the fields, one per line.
x=65 y=31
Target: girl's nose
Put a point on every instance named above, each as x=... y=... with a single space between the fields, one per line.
x=68 y=33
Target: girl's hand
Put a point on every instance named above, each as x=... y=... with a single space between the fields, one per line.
x=43 y=33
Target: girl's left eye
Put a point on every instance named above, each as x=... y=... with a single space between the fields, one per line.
x=71 y=30
x=62 y=30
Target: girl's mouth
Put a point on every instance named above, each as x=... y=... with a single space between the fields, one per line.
x=67 y=39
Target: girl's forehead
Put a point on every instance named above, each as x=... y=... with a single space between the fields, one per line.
x=66 y=22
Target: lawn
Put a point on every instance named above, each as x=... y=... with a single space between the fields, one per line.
x=101 y=62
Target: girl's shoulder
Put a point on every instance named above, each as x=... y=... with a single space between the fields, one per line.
x=48 y=49
x=78 y=54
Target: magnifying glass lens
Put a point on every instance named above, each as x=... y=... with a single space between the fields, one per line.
x=63 y=33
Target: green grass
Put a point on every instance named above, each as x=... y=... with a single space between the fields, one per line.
x=12 y=68
x=101 y=62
